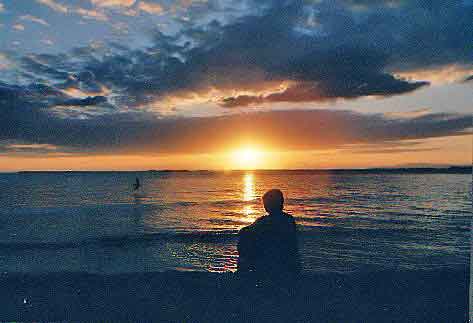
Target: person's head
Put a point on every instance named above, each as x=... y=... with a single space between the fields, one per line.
x=273 y=201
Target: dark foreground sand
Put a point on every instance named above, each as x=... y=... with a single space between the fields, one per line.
x=422 y=296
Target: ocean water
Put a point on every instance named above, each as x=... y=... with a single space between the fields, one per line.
x=93 y=222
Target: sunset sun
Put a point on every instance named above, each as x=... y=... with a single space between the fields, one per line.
x=247 y=158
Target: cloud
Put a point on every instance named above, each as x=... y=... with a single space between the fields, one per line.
x=18 y=27
x=388 y=147
x=257 y=49
x=322 y=50
x=120 y=28
x=91 y=14
x=379 y=150
x=151 y=8
x=113 y=3
x=48 y=42
x=5 y=62
x=129 y=5
x=34 y=19
x=21 y=148
x=90 y=100
x=408 y=114
x=54 y=5
x=440 y=75
x=382 y=85
x=107 y=97
x=38 y=65
x=32 y=115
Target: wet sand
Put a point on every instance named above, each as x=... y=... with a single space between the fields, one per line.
x=407 y=296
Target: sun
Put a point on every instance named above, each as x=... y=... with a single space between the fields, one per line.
x=247 y=158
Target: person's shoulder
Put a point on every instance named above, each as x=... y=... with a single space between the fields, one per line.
x=259 y=222
x=289 y=216
x=252 y=227
x=290 y=219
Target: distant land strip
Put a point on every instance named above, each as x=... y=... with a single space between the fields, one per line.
x=398 y=170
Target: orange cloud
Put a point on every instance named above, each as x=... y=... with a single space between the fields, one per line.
x=151 y=8
x=91 y=14
x=113 y=3
x=440 y=151
x=439 y=75
x=18 y=27
x=34 y=19
x=5 y=63
x=54 y=5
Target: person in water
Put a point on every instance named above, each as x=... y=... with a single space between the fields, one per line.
x=137 y=185
x=268 y=247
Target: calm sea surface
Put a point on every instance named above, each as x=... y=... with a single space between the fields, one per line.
x=188 y=221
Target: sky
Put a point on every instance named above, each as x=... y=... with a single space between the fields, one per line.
x=220 y=84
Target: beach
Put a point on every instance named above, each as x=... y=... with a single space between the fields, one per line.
x=403 y=296
x=394 y=296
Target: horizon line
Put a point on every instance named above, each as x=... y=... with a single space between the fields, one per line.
x=420 y=167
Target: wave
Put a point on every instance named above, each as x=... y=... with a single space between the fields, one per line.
x=121 y=240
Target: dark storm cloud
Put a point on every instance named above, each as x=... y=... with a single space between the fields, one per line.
x=26 y=115
x=381 y=85
x=90 y=100
x=141 y=132
x=17 y=99
x=37 y=67
x=328 y=50
x=270 y=45
x=354 y=51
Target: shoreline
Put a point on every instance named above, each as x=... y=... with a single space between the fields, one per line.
x=382 y=296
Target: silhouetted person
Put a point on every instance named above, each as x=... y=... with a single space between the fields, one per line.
x=137 y=185
x=268 y=247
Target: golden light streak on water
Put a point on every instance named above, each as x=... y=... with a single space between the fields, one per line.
x=248 y=196
x=248 y=187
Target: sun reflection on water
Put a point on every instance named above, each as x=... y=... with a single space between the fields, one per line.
x=248 y=196
x=249 y=187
